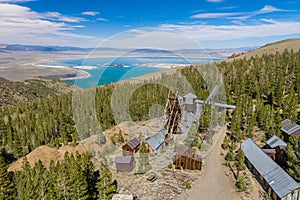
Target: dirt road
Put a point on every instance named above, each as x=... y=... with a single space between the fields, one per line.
x=213 y=184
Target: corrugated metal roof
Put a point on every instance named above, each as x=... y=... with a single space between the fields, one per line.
x=134 y=143
x=289 y=127
x=190 y=96
x=189 y=117
x=275 y=176
x=213 y=93
x=222 y=105
x=156 y=140
x=123 y=159
x=122 y=197
x=275 y=141
x=199 y=101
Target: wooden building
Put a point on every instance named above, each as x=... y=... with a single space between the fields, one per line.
x=187 y=158
x=279 y=146
x=131 y=147
x=125 y=163
x=289 y=128
x=270 y=152
x=156 y=142
x=277 y=183
x=275 y=141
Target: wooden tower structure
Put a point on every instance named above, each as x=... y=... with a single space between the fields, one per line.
x=173 y=113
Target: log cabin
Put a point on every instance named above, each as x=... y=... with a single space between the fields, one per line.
x=131 y=147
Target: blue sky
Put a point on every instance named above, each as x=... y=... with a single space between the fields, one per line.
x=211 y=23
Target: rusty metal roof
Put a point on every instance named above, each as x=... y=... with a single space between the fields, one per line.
x=134 y=143
x=289 y=127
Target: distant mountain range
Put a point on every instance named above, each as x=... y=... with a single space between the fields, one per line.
x=19 y=47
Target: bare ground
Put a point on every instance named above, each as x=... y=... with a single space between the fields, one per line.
x=46 y=154
x=214 y=184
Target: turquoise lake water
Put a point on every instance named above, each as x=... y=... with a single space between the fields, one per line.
x=108 y=70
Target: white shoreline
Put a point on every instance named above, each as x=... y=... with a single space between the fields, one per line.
x=52 y=66
x=163 y=65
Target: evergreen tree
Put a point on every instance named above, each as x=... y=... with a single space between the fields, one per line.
x=105 y=186
x=144 y=164
x=6 y=185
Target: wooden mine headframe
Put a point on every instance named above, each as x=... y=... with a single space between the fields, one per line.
x=173 y=113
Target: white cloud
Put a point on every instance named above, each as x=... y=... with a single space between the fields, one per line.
x=102 y=19
x=213 y=15
x=270 y=21
x=19 y=24
x=59 y=17
x=90 y=13
x=267 y=9
x=235 y=32
x=155 y=38
x=238 y=15
x=14 y=1
x=214 y=1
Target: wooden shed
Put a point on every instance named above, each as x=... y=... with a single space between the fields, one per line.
x=289 y=128
x=124 y=163
x=187 y=158
x=131 y=147
x=124 y=197
x=270 y=152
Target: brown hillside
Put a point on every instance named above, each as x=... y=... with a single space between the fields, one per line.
x=46 y=154
x=272 y=48
x=12 y=93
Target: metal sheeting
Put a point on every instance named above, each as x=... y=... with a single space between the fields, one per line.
x=189 y=118
x=134 y=143
x=222 y=105
x=275 y=141
x=157 y=140
x=123 y=159
x=189 y=98
x=281 y=183
x=289 y=127
x=122 y=197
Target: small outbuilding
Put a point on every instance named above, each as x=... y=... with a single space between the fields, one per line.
x=187 y=158
x=125 y=163
x=279 y=146
x=289 y=128
x=131 y=147
x=123 y=197
x=270 y=152
x=275 y=141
